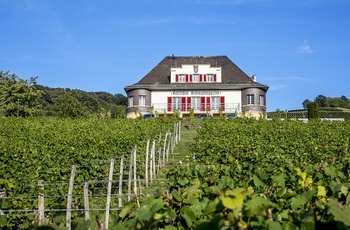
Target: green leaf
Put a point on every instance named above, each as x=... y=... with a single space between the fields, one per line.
x=258 y=206
x=289 y=226
x=258 y=182
x=214 y=206
x=183 y=181
x=3 y=220
x=280 y=180
x=273 y=225
x=302 y=199
x=157 y=205
x=126 y=210
x=331 y=172
x=307 y=225
x=341 y=214
x=289 y=193
x=233 y=202
x=188 y=215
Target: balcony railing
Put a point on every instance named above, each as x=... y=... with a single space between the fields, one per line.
x=186 y=108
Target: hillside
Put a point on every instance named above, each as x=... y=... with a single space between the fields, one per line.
x=54 y=102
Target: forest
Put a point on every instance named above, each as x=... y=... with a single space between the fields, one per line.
x=20 y=97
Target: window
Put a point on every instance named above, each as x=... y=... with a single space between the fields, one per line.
x=250 y=99
x=142 y=100
x=131 y=101
x=196 y=103
x=210 y=78
x=182 y=78
x=195 y=77
x=262 y=100
x=215 y=103
x=177 y=103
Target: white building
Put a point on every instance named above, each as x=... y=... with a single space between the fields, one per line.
x=210 y=84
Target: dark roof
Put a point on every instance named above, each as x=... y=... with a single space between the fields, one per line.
x=231 y=73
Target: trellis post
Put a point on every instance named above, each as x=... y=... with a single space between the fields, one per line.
x=109 y=189
x=69 y=198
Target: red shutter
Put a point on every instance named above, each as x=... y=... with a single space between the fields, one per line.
x=177 y=78
x=183 y=104
x=188 y=103
x=214 y=77
x=204 y=77
x=186 y=77
x=208 y=103
x=202 y=103
x=222 y=103
x=169 y=104
x=200 y=78
x=191 y=78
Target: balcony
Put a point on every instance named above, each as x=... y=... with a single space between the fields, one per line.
x=185 y=108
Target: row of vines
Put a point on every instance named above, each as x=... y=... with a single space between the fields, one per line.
x=41 y=149
x=255 y=174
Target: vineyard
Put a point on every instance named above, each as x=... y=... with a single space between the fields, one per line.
x=249 y=174
x=38 y=157
x=232 y=173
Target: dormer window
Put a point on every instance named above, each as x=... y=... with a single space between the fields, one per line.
x=210 y=78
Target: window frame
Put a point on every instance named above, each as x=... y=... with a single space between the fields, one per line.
x=261 y=100
x=142 y=100
x=182 y=78
x=196 y=103
x=131 y=101
x=215 y=103
x=176 y=103
x=250 y=99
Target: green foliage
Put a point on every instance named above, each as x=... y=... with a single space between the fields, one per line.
x=34 y=149
x=256 y=174
x=246 y=174
x=312 y=111
x=89 y=103
x=18 y=97
x=334 y=102
x=67 y=105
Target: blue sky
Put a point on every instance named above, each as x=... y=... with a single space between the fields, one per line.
x=299 y=48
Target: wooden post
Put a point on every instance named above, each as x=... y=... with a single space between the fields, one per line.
x=172 y=145
x=167 y=150
x=164 y=147
x=151 y=164
x=146 y=171
x=69 y=198
x=154 y=158
x=159 y=160
x=135 y=177
x=130 y=176
x=86 y=202
x=41 y=204
x=120 y=199
x=109 y=189
x=2 y=194
x=179 y=131
x=140 y=185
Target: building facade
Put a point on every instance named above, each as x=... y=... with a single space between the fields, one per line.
x=199 y=85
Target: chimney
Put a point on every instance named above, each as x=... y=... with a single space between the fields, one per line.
x=254 y=77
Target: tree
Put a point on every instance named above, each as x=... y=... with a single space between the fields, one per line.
x=305 y=103
x=18 y=97
x=322 y=101
x=312 y=111
x=68 y=105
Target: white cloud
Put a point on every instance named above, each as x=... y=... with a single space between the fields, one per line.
x=304 y=48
